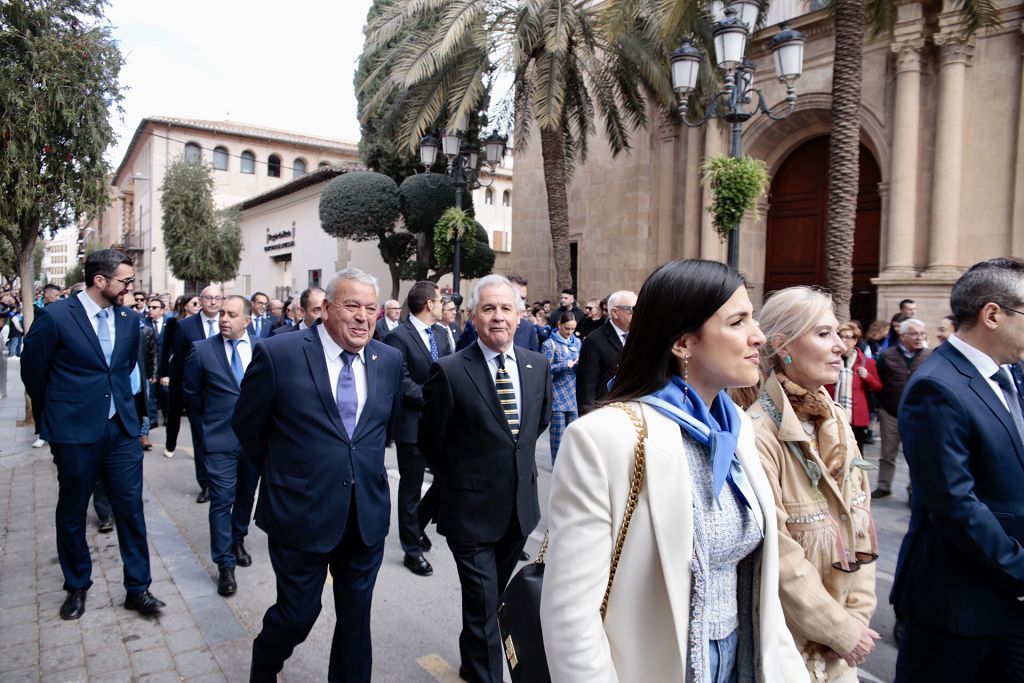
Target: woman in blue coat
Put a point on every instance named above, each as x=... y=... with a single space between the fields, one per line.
x=563 y=352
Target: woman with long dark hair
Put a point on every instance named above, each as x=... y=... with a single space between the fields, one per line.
x=695 y=594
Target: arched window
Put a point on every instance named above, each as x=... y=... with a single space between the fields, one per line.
x=193 y=152
x=248 y=162
x=489 y=196
x=506 y=198
x=274 y=166
x=298 y=168
x=220 y=158
x=323 y=164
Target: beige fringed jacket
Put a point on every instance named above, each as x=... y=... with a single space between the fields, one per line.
x=824 y=606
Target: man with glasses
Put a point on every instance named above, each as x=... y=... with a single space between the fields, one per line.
x=895 y=367
x=190 y=330
x=390 y=319
x=310 y=308
x=140 y=306
x=157 y=321
x=77 y=369
x=261 y=322
x=599 y=354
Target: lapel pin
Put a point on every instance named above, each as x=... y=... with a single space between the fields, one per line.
x=529 y=366
x=123 y=314
x=373 y=357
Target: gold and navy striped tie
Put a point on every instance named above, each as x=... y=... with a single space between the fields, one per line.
x=507 y=396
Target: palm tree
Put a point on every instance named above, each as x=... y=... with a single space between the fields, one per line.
x=440 y=57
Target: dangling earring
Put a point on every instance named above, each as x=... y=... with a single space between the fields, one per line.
x=788 y=360
x=686 y=378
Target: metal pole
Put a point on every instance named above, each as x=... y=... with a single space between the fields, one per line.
x=458 y=177
x=733 y=257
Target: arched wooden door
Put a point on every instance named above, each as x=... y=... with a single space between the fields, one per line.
x=798 y=213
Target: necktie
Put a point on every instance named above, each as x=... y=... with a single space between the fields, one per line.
x=432 y=342
x=348 y=402
x=107 y=345
x=209 y=328
x=236 y=360
x=507 y=396
x=1002 y=378
x=256 y=324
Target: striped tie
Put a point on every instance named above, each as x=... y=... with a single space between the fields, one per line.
x=507 y=396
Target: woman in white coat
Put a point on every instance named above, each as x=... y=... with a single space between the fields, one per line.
x=695 y=595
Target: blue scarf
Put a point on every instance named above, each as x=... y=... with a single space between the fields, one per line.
x=717 y=428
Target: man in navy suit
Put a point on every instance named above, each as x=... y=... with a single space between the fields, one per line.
x=421 y=340
x=311 y=303
x=261 y=320
x=190 y=330
x=77 y=368
x=156 y=320
x=959 y=586
x=388 y=321
x=213 y=375
x=314 y=415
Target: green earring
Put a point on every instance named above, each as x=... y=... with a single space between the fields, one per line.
x=788 y=360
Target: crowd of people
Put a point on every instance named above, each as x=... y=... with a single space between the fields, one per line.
x=752 y=551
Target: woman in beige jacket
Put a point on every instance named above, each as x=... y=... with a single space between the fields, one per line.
x=695 y=595
x=827 y=542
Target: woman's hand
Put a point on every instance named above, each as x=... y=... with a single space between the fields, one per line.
x=863 y=648
x=862 y=373
x=571 y=363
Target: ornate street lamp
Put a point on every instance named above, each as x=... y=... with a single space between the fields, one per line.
x=734 y=26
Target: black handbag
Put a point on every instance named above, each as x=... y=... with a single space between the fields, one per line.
x=519 y=610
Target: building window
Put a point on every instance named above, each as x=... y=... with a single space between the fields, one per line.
x=323 y=164
x=489 y=196
x=506 y=198
x=298 y=168
x=220 y=158
x=193 y=153
x=314 y=277
x=274 y=166
x=248 y=163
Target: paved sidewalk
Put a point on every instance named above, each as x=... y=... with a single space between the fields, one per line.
x=196 y=637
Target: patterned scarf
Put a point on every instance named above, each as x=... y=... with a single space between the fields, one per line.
x=813 y=407
x=844 y=387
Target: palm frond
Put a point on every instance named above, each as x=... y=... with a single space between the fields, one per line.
x=461 y=18
x=549 y=88
x=978 y=14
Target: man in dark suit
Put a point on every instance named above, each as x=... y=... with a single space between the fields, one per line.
x=311 y=303
x=261 y=321
x=959 y=586
x=483 y=409
x=390 y=319
x=188 y=331
x=599 y=354
x=313 y=415
x=421 y=340
x=77 y=369
x=449 y=316
x=157 y=321
x=213 y=374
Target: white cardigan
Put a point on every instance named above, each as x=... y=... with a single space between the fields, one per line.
x=644 y=636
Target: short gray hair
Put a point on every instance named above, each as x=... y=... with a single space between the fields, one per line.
x=905 y=325
x=491 y=281
x=615 y=298
x=355 y=275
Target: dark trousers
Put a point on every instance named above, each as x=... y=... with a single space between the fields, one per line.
x=245 y=494
x=100 y=501
x=199 y=451
x=116 y=460
x=931 y=654
x=157 y=401
x=172 y=418
x=300 y=582
x=411 y=466
x=484 y=571
x=222 y=471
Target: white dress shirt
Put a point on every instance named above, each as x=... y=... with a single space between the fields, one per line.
x=158 y=325
x=392 y=324
x=244 y=350
x=622 y=335
x=332 y=353
x=424 y=331
x=982 y=362
x=91 y=309
x=206 y=324
x=491 y=356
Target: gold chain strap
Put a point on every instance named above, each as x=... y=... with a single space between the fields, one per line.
x=636 y=481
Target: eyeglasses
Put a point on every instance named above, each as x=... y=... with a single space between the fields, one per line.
x=915 y=334
x=127 y=281
x=859 y=558
x=847 y=337
x=1012 y=310
x=211 y=298
x=152 y=307
x=627 y=309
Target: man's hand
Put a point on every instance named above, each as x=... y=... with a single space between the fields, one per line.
x=165 y=381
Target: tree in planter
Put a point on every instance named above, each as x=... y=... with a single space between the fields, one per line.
x=203 y=244
x=59 y=69
x=477 y=256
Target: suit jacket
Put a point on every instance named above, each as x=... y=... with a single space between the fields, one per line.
x=167 y=346
x=67 y=376
x=287 y=421
x=417 y=359
x=380 y=330
x=211 y=392
x=526 y=336
x=487 y=475
x=267 y=322
x=961 y=565
x=187 y=332
x=599 y=358
x=285 y=329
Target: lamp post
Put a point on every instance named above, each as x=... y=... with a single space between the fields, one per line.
x=734 y=25
x=463 y=172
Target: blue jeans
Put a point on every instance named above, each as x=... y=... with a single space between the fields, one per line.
x=14 y=345
x=722 y=658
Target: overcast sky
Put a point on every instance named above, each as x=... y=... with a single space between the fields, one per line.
x=286 y=65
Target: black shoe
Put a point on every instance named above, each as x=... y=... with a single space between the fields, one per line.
x=524 y=556
x=74 y=605
x=105 y=526
x=143 y=603
x=425 y=543
x=242 y=558
x=878 y=494
x=226 y=581
x=418 y=565
x=204 y=496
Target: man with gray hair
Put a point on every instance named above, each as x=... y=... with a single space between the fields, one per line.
x=895 y=366
x=314 y=414
x=483 y=409
x=599 y=354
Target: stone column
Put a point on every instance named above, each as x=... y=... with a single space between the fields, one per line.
x=1017 y=226
x=949 y=141
x=899 y=257
x=712 y=246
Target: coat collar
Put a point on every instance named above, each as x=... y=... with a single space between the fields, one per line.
x=479 y=372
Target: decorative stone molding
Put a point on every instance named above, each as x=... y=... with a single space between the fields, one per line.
x=956 y=48
x=908 y=54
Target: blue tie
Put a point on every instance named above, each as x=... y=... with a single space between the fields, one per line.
x=209 y=328
x=107 y=345
x=236 y=361
x=348 y=402
x=257 y=324
x=433 y=343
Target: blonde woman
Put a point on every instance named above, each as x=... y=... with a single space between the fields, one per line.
x=827 y=542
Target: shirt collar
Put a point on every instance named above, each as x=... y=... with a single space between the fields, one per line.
x=91 y=309
x=419 y=324
x=331 y=347
x=490 y=354
x=204 y=318
x=982 y=362
x=243 y=338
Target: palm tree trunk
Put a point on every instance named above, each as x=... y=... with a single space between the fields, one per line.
x=844 y=152
x=552 y=149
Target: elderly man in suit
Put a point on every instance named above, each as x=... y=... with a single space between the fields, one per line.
x=599 y=354
x=77 y=369
x=261 y=320
x=421 y=340
x=483 y=409
x=959 y=585
x=390 y=320
x=314 y=414
x=213 y=377
x=311 y=303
